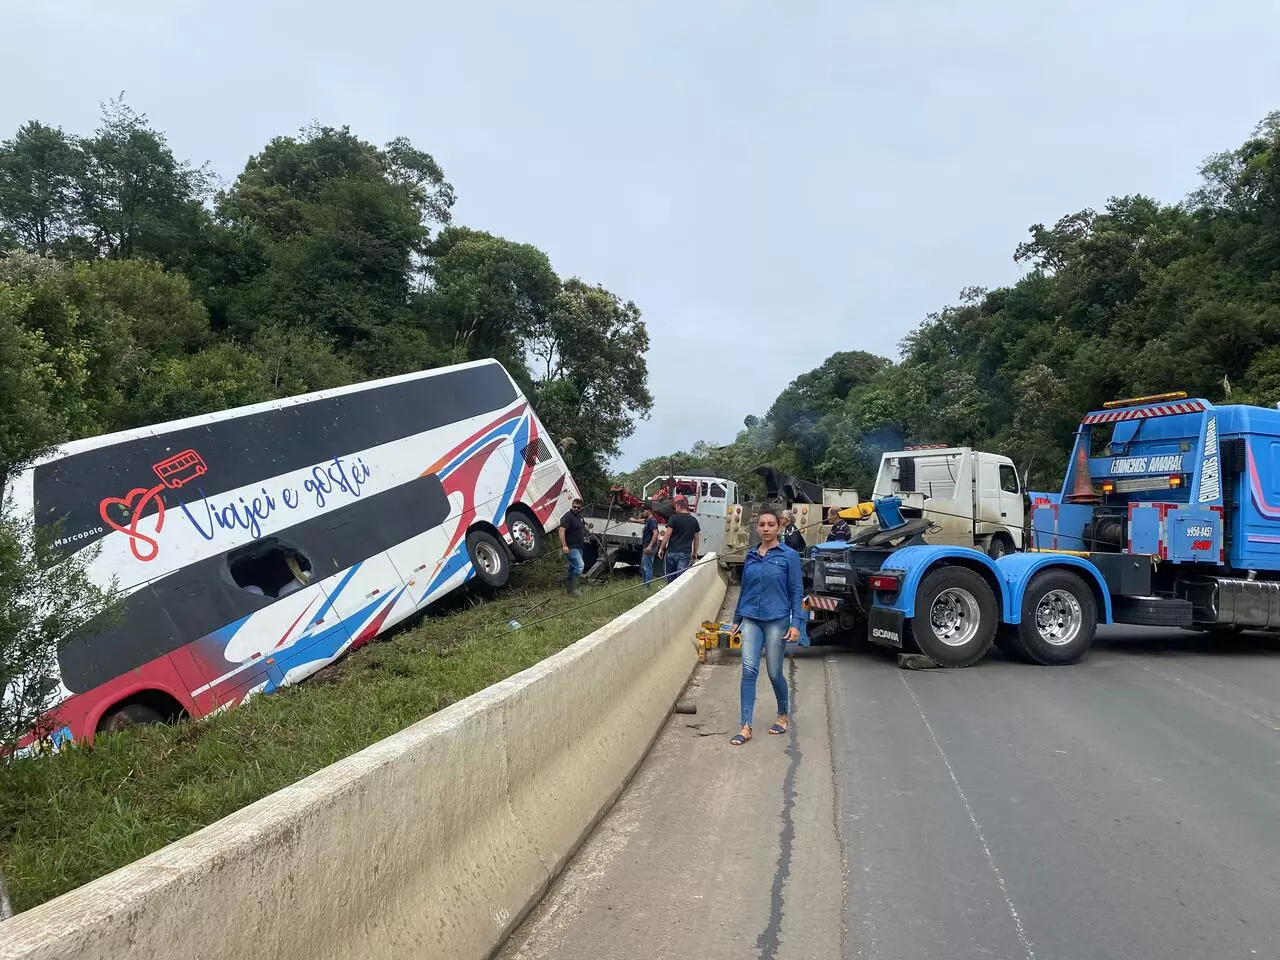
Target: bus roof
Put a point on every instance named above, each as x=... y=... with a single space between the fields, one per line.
x=73 y=447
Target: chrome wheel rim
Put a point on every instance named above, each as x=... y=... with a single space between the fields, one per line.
x=487 y=558
x=522 y=534
x=1058 y=618
x=954 y=616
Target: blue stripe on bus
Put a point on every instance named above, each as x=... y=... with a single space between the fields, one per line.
x=517 y=467
x=462 y=457
x=331 y=597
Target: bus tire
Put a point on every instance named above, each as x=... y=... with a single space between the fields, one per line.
x=956 y=617
x=128 y=715
x=489 y=558
x=527 y=537
x=1059 y=618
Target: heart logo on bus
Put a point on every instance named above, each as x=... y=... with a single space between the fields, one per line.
x=131 y=506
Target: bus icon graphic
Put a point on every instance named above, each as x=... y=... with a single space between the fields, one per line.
x=180 y=469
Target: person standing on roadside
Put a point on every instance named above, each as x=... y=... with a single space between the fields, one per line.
x=839 y=526
x=650 y=539
x=791 y=535
x=573 y=535
x=769 y=614
x=683 y=537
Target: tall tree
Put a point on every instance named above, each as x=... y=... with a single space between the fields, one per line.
x=488 y=296
x=331 y=230
x=39 y=170
x=42 y=596
x=590 y=375
x=813 y=394
x=136 y=198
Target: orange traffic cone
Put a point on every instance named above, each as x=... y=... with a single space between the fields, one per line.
x=1083 y=492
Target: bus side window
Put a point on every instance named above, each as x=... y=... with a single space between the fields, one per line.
x=269 y=569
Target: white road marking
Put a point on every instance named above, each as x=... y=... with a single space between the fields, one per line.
x=977 y=828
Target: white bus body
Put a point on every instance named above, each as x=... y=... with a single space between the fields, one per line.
x=256 y=545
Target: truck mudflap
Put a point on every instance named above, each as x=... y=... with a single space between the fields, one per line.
x=886 y=625
x=1008 y=576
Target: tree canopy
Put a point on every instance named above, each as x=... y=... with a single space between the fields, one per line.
x=1139 y=297
x=132 y=293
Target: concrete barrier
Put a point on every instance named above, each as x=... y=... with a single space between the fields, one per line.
x=432 y=843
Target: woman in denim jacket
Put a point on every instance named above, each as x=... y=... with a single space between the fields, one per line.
x=769 y=614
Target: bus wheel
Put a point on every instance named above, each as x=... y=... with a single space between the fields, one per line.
x=129 y=715
x=1059 y=617
x=955 y=622
x=527 y=538
x=489 y=558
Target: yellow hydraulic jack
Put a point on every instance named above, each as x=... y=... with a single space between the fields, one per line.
x=716 y=636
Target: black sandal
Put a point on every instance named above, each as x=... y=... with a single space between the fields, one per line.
x=778 y=729
x=738 y=739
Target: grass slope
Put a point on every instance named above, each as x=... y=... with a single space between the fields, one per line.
x=72 y=818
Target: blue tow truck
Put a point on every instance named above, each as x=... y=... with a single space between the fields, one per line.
x=1169 y=515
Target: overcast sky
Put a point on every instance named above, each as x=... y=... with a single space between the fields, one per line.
x=769 y=181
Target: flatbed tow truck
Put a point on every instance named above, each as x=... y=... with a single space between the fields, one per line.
x=615 y=529
x=1169 y=515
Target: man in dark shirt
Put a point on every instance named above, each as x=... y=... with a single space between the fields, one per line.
x=683 y=536
x=649 y=544
x=573 y=534
x=839 y=527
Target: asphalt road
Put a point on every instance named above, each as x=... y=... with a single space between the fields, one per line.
x=1124 y=807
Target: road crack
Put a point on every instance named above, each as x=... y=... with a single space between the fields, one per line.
x=767 y=942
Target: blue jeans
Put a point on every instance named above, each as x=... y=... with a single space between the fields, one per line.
x=574 y=557
x=646 y=568
x=769 y=635
x=677 y=563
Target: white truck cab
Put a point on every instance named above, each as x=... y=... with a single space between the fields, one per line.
x=620 y=530
x=711 y=500
x=974 y=498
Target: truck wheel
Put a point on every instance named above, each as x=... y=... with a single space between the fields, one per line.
x=998 y=547
x=488 y=556
x=1152 y=611
x=527 y=537
x=1059 y=617
x=956 y=619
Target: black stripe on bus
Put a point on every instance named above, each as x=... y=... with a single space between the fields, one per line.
x=200 y=598
x=249 y=449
